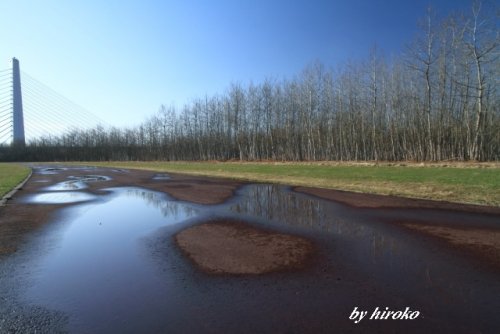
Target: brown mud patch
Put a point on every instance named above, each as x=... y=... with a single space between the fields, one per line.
x=233 y=247
x=193 y=189
x=484 y=243
x=362 y=200
x=18 y=220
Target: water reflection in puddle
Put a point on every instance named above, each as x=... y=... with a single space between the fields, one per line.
x=62 y=197
x=55 y=170
x=67 y=185
x=77 y=182
x=357 y=236
x=90 y=178
x=47 y=171
x=97 y=272
x=281 y=206
x=119 y=170
x=161 y=177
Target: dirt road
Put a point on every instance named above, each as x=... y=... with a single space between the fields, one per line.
x=106 y=250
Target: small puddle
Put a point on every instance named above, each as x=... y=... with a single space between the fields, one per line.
x=48 y=171
x=53 y=169
x=77 y=182
x=61 y=197
x=161 y=177
x=90 y=178
x=119 y=170
x=67 y=185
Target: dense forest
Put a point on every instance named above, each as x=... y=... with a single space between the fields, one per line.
x=438 y=100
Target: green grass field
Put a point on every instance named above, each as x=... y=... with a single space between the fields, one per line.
x=10 y=176
x=462 y=183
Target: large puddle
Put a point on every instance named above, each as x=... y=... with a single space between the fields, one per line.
x=98 y=269
x=363 y=238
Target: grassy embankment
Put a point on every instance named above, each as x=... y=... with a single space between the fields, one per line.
x=462 y=183
x=10 y=176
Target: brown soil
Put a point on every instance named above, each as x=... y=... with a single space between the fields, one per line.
x=196 y=189
x=17 y=221
x=482 y=242
x=231 y=247
x=362 y=200
x=479 y=242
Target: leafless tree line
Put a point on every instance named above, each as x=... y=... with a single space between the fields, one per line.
x=439 y=100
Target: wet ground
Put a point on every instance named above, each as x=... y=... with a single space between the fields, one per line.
x=87 y=250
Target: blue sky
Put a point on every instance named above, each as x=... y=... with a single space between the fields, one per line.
x=122 y=59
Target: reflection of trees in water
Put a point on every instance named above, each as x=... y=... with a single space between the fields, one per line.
x=275 y=203
x=376 y=248
x=158 y=201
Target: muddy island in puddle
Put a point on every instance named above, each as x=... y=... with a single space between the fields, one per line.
x=233 y=247
x=106 y=250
